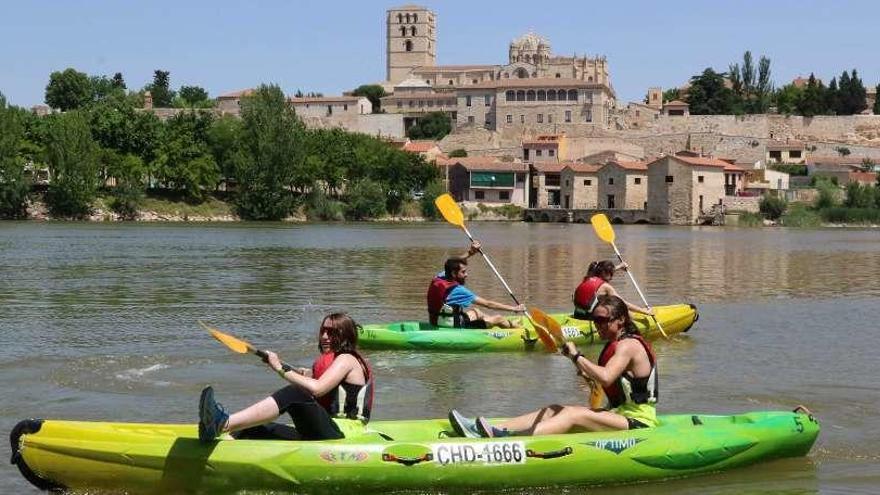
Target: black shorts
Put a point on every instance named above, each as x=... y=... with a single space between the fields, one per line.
x=635 y=424
x=310 y=420
x=468 y=323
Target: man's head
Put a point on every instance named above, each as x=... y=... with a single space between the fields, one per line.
x=456 y=269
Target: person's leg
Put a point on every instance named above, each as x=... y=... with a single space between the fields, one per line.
x=311 y=420
x=474 y=315
x=262 y=412
x=557 y=419
x=526 y=423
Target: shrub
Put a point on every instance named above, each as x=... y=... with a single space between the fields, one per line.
x=749 y=219
x=458 y=153
x=802 y=217
x=859 y=196
x=320 y=207
x=790 y=168
x=432 y=191
x=827 y=194
x=366 y=199
x=772 y=207
x=851 y=215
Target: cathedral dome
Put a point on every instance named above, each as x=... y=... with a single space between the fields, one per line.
x=530 y=41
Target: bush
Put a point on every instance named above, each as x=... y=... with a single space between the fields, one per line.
x=827 y=194
x=434 y=125
x=432 y=191
x=772 y=207
x=802 y=217
x=366 y=199
x=512 y=212
x=790 y=168
x=320 y=207
x=859 y=196
x=851 y=215
x=458 y=153
x=749 y=219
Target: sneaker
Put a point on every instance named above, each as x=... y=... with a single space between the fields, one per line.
x=485 y=429
x=465 y=427
x=212 y=416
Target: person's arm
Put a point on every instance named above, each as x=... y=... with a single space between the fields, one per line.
x=604 y=375
x=607 y=289
x=473 y=249
x=329 y=380
x=486 y=303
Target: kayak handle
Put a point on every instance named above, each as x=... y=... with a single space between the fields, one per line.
x=407 y=461
x=550 y=454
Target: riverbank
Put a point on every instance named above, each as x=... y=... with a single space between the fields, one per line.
x=802 y=216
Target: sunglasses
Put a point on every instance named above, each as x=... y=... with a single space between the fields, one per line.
x=603 y=320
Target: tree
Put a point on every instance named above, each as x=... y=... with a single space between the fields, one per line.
x=859 y=196
x=160 y=89
x=273 y=139
x=671 y=95
x=786 y=99
x=434 y=125
x=68 y=90
x=373 y=92
x=72 y=156
x=852 y=94
x=117 y=125
x=104 y=88
x=183 y=162
x=193 y=96
x=365 y=199
x=128 y=172
x=772 y=207
x=842 y=151
x=812 y=101
x=118 y=81
x=13 y=184
x=763 y=87
x=225 y=142
x=432 y=191
x=708 y=95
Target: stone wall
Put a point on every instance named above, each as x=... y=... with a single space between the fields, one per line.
x=580 y=188
x=742 y=203
x=376 y=124
x=621 y=183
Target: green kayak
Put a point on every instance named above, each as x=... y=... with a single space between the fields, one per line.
x=423 y=336
x=395 y=455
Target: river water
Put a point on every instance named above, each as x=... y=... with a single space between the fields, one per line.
x=98 y=322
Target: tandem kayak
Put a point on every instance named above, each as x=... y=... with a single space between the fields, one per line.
x=396 y=455
x=423 y=336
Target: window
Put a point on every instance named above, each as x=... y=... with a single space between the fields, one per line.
x=488 y=119
x=520 y=95
x=551 y=95
x=345 y=107
x=522 y=119
x=399 y=104
x=530 y=95
x=412 y=31
x=794 y=154
x=568 y=115
x=551 y=152
x=487 y=100
x=329 y=109
x=492 y=179
x=470 y=119
x=408 y=45
x=411 y=104
x=467 y=99
x=504 y=195
x=540 y=118
x=430 y=103
x=542 y=95
x=539 y=152
x=510 y=96
x=558 y=75
x=700 y=179
x=479 y=195
x=588 y=182
x=551 y=179
x=549 y=118
x=611 y=181
x=567 y=183
x=421 y=103
x=450 y=82
x=572 y=95
x=610 y=201
x=403 y=31
x=509 y=119
x=474 y=81
x=588 y=116
x=669 y=179
x=637 y=180
x=561 y=95
x=400 y=18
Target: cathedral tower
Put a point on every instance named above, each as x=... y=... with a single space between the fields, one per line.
x=410 y=41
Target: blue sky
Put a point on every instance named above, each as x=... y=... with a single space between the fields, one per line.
x=332 y=46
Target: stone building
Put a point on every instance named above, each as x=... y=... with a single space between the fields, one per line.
x=545 y=190
x=410 y=41
x=545 y=148
x=487 y=180
x=683 y=190
x=788 y=151
x=676 y=108
x=331 y=106
x=623 y=186
x=580 y=185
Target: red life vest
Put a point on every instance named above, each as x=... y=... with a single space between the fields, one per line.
x=628 y=388
x=437 y=292
x=585 y=296
x=356 y=400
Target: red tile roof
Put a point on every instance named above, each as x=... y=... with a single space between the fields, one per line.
x=326 y=99
x=420 y=146
x=734 y=168
x=549 y=167
x=536 y=82
x=703 y=161
x=835 y=160
x=675 y=103
x=863 y=177
x=237 y=94
x=581 y=168
x=631 y=165
x=488 y=163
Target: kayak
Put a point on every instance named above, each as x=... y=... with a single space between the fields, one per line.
x=395 y=455
x=422 y=336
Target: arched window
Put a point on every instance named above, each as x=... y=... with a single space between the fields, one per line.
x=521 y=73
x=558 y=75
x=407 y=18
x=506 y=75
x=412 y=31
x=509 y=95
x=530 y=95
x=451 y=82
x=572 y=95
x=520 y=95
x=407 y=45
x=542 y=95
x=561 y=95
x=551 y=95
x=528 y=58
x=400 y=18
x=415 y=17
x=519 y=58
x=403 y=30
x=590 y=79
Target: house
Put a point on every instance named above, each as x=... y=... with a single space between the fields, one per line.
x=230 y=103
x=676 y=108
x=762 y=181
x=580 y=185
x=545 y=148
x=683 y=190
x=546 y=190
x=863 y=178
x=331 y=106
x=487 y=180
x=734 y=179
x=834 y=167
x=623 y=185
x=788 y=151
x=429 y=150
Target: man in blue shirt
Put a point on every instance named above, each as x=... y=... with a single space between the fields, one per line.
x=451 y=304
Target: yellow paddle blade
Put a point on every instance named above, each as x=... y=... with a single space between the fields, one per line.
x=551 y=325
x=234 y=344
x=450 y=210
x=539 y=318
x=603 y=227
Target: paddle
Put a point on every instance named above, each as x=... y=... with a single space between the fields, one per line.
x=605 y=232
x=453 y=214
x=240 y=346
x=596 y=392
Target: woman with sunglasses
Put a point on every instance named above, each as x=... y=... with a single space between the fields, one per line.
x=597 y=283
x=626 y=370
x=339 y=384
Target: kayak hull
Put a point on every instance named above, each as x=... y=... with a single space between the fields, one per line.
x=413 y=335
x=396 y=455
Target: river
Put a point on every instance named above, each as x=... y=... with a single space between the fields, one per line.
x=98 y=322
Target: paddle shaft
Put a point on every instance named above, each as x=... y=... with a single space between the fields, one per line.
x=639 y=290
x=265 y=357
x=492 y=266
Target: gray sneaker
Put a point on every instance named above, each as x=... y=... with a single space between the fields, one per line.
x=465 y=427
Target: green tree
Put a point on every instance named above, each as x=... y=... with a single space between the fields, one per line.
x=183 y=162
x=116 y=124
x=160 y=89
x=708 y=95
x=365 y=199
x=812 y=101
x=225 y=141
x=128 y=174
x=13 y=184
x=104 y=88
x=786 y=99
x=852 y=94
x=192 y=97
x=859 y=196
x=373 y=92
x=118 y=80
x=272 y=138
x=432 y=191
x=72 y=156
x=671 y=95
x=827 y=196
x=68 y=90
x=772 y=207
x=434 y=125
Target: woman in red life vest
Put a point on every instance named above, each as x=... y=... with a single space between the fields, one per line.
x=626 y=370
x=339 y=385
x=598 y=283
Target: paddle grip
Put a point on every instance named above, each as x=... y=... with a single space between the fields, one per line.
x=265 y=357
